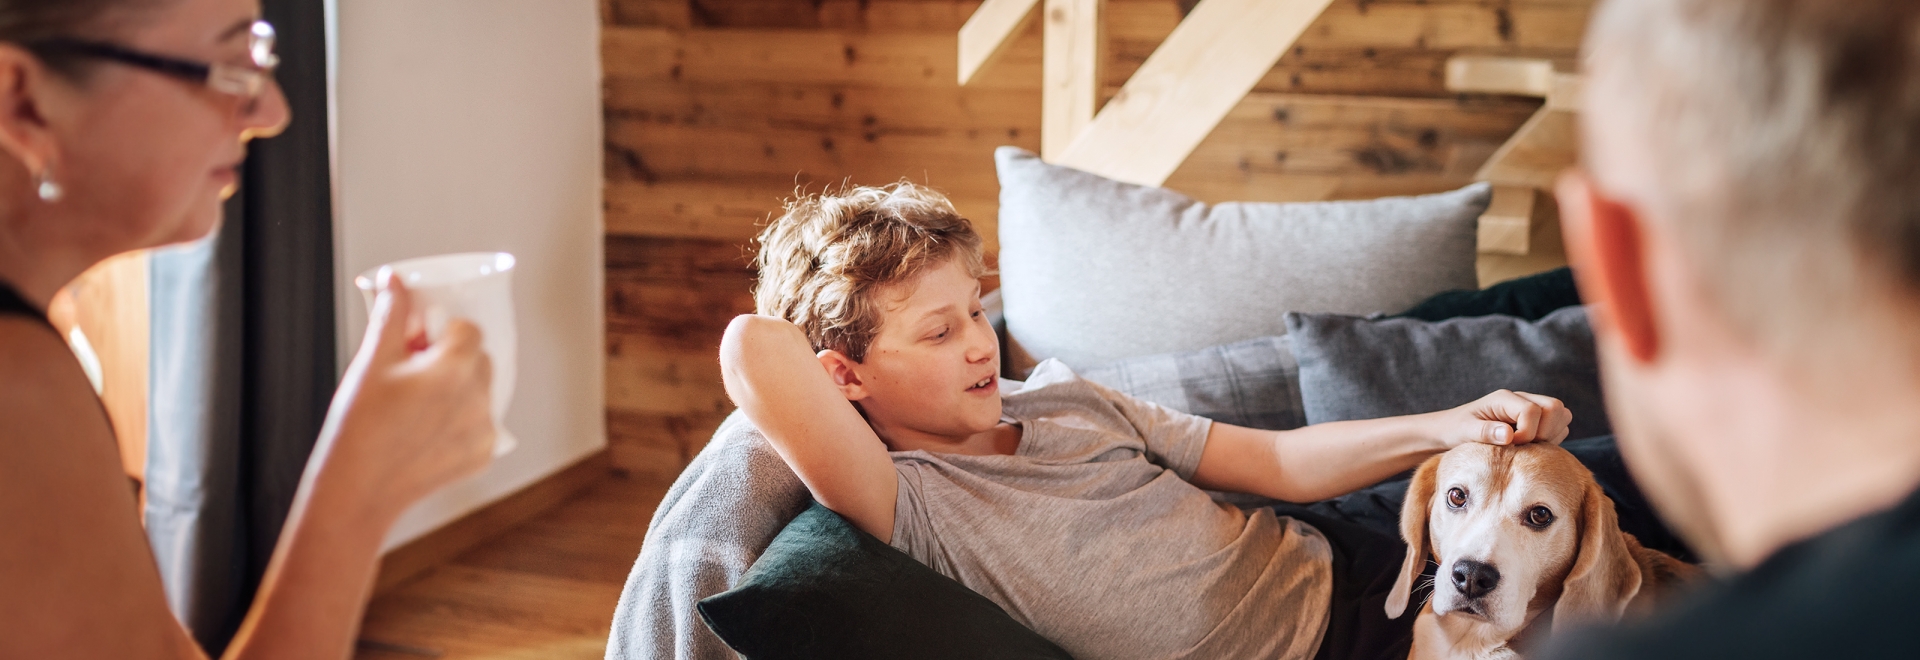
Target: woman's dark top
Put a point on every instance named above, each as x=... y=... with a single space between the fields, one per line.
x=12 y=304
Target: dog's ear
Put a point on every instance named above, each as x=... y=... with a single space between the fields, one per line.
x=1604 y=575
x=1413 y=528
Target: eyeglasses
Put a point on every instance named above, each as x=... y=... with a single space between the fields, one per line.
x=245 y=82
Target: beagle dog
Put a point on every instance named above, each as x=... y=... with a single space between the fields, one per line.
x=1516 y=531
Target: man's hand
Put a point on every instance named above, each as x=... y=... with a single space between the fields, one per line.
x=1505 y=418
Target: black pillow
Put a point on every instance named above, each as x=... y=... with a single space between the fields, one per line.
x=825 y=589
x=1364 y=368
x=1531 y=298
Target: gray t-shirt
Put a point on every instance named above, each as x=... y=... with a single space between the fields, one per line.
x=1092 y=536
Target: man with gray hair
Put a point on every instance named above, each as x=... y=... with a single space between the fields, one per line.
x=1747 y=223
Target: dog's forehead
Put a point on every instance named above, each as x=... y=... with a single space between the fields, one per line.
x=1528 y=468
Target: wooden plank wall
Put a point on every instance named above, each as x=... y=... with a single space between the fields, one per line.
x=716 y=109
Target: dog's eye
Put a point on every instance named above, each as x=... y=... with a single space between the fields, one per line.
x=1539 y=517
x=1456 y=497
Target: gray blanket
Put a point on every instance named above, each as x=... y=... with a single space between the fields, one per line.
x=719 y=516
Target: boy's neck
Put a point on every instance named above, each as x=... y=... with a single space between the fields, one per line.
x=1003 y=439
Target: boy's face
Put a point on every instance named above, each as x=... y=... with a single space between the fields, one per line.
x=932 y=370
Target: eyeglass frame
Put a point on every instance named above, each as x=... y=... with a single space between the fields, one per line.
x=246 y=82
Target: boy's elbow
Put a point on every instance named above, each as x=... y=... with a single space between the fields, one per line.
x=753 y=338
x=749 y=333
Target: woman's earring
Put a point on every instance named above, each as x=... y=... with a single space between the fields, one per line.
x=49 y=191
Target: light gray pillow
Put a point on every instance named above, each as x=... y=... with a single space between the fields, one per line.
x=1094 y=270
x=1360 y=368
x=1254 y=383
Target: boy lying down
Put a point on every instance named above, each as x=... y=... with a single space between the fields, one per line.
x=871 y=369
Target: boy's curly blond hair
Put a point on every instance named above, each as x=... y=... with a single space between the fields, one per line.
x=823 y=262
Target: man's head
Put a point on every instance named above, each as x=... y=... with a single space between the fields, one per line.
x=885 y=283
x=1749 y=222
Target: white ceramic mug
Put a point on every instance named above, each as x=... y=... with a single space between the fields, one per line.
x=476 y=286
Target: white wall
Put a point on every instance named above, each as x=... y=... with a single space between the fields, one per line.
x=466 y=125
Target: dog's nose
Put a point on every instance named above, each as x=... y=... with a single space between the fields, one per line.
x=1474 y=579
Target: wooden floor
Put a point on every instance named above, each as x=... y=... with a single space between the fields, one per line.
x=545 y=589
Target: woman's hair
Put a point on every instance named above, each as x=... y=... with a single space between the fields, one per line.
x=30 y=22
x=825 y=261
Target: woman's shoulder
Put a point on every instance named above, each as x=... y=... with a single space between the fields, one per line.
x=88 y=566
x=29 y=347
x=43 y=391
x=32 y=354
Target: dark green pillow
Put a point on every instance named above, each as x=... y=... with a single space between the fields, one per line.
x=1532 y=298
x=825 y=589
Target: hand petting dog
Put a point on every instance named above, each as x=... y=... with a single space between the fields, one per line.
x=1507 y=418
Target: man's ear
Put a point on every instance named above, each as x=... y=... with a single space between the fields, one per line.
x=1606 y=247
x=24 y=131
x=840 y=369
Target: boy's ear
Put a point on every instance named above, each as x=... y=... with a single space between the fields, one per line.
x=840 y=369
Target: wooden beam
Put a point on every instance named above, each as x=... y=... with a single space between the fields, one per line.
x=1545 y=249
x=1075 y=38
x=1500 y=75
x=1209 y=63
x=1507 y=226
x=984 y=38
x=1536 y=154
x=1565 y=92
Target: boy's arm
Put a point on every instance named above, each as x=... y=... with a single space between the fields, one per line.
x=772 y=374
x=1328 y=460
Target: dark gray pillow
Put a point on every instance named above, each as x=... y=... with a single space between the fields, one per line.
x=1364 y=368
x=1254 y=383
x=825 y=589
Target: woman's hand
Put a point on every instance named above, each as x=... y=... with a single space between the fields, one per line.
x=409 y=416
x=1504 y=418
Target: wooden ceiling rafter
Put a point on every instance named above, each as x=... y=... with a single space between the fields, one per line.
x=984 y=37
x=1211 y=61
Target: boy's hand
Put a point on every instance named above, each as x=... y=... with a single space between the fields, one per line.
x=1506 y=418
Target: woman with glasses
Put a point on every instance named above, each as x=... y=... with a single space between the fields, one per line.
x=122 y=123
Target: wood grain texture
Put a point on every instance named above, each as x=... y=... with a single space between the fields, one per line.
x=1537 y=153
x=1181 y=92
x=985 y=35
x=668 y=299
x=1299 y=147
x=545 y=589
x=1073 y=57
x=422 y=554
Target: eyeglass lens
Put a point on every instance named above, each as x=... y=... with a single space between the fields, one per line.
x=260 y=45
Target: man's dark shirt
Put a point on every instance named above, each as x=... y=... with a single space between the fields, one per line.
x=1853 y=592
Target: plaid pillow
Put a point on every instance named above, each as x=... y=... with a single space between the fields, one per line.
x=1254 y=383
